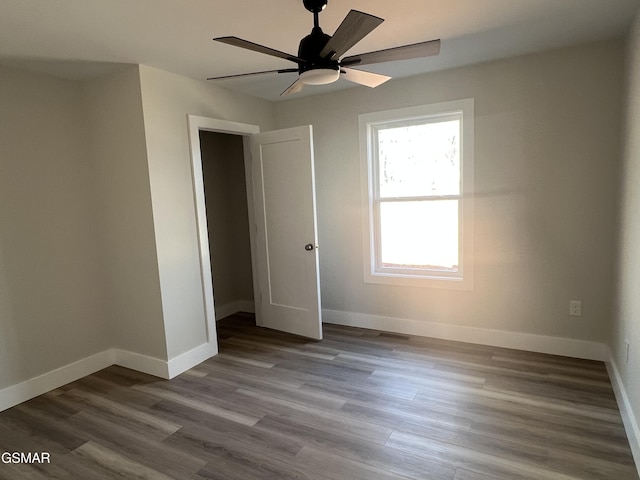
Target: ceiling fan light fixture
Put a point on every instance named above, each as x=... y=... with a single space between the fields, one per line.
x=319 y=60
x=319 y=76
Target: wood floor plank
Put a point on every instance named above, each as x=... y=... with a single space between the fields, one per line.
x=247 y=465
x=127 y=418
x=395 y=416
x=503 y=447
x=337 y=467
x=302 y=399
x=613 y=448
x=556 y=407
x=114 y=390
x=222 y=368
x=32 y=427
x=335 y=420
x=202 y=433
x=132 y=446
x=462 y=474
x=461 y=457
x=397 y=462
x=204 y=406
x=360 y=404
x=118 y=465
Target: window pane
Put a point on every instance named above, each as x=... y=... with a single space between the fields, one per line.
x=419 y=234
x=419 y=160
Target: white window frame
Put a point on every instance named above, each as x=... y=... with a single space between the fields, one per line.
x=373 y=271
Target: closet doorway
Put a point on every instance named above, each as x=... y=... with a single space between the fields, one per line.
x=225 y=190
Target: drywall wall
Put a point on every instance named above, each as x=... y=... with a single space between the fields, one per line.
x=546 y=162
x=167 y=99
x=227 y=218
x=82 y=263
x=113 y=109
x=52 y=305
x=627 y=319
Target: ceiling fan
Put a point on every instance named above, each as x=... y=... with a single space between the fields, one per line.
x=319 y=55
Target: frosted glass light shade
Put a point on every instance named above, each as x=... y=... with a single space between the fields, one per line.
x=319 y=76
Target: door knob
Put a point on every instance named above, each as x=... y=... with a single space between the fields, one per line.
x=308 y=247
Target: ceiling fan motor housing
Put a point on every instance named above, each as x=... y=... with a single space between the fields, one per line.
x=315 y=6
x=310 y=48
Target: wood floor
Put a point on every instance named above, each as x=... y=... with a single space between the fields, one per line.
x=360 y=405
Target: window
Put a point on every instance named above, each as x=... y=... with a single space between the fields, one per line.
x=417 y=168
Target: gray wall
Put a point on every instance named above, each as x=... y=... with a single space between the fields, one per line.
x=546 y=161
x=227 y=217
x=167 y=99
x=97 y=235
x=113 y=109
x=52 y=302
x=627 y=319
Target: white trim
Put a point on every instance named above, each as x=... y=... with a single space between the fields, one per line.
x=163 y=368
x=629 y=419
x=195 y=125
x=227 y=309
x=248 y=178
x=142 y=363
x=222 y=126
x=498 y=338
x=190 y=359
x=23 y=391
x=367 y=125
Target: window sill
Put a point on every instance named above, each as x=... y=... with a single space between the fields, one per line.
x=445 y=283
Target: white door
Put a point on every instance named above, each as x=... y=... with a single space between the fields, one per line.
x=286 y=234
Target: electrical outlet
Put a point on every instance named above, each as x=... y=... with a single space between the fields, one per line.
x=575 y=308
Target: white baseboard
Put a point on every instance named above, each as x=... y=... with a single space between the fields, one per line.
x=142 y=363
x=46 y=382
x=190 y=359
x=227 y=309
x=497 y=338
x=629 y=419
x=21 y=392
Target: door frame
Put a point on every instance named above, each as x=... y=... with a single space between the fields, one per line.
x=196 y=124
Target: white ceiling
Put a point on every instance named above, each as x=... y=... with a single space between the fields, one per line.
x=78 y=39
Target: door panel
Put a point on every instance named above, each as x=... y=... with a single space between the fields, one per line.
x=285 y=217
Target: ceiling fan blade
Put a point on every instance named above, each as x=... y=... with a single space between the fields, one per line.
x=239 y=42
x=224 y=77
x=295 y=87
x=355 y=26
x=406 y=52
x=368 y=79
